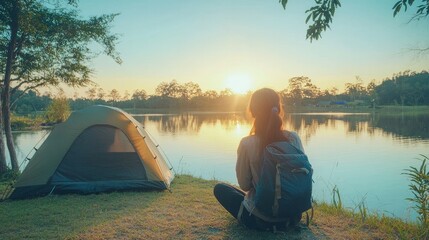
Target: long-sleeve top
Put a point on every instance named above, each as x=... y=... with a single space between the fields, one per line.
x=248 y=168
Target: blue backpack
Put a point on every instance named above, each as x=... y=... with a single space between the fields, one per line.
x=285 y=184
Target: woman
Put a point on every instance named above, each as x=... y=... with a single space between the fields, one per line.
x=266 y=109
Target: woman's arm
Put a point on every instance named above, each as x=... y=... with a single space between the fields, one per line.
x=242 y=168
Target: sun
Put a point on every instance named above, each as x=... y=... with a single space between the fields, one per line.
x=239 y=83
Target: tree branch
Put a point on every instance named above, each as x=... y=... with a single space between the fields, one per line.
x=420 y=50
x=40 y=82
x=24 y=92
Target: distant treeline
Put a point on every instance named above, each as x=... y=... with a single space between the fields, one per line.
x=404 y=88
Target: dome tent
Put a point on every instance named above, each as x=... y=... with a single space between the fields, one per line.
x=97 y=149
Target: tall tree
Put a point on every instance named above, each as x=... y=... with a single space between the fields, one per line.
x=372 y=94
x=114 y=95
x=91 y=93
x=45 y=43
x=3 y=165
x=301 y=88
x=139 y=95
x=100 y=93
x=211 y=94
x=191 y=90
x=356 y=90
x=172 y=89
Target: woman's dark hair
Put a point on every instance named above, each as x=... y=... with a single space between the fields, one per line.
x=265 y=106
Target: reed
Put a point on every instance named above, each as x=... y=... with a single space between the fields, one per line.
x=336 y=198
x=363 y=210
x=419 y=186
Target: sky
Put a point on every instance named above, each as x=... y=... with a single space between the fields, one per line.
x=249 y=44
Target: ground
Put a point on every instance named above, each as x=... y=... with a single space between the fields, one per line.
x=188 y=212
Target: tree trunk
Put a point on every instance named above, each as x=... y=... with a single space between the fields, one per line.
x=3 y=165
x=14 y=13
x=8 y=132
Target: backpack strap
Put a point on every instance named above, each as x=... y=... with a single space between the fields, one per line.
x=278 y=192
x=309 y=218
x=281 y=150
x=301 y=170
x=240 y=212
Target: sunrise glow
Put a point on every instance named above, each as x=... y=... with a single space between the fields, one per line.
x=239 y=83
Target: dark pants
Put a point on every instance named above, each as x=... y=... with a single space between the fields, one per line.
x=231 y=198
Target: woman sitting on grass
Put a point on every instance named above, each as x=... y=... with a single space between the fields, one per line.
x=266 y=109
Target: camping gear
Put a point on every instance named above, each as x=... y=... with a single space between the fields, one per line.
x=97 y=149
x=285 y=185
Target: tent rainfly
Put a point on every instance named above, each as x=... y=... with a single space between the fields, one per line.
x=97 y=149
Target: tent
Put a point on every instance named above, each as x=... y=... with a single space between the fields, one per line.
x=97 y=149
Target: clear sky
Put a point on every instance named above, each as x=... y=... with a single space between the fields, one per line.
x=254 y=42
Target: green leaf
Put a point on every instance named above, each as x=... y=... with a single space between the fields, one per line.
x=312 y=9
x=284 y=3
x=397 y=8
x=308 y=18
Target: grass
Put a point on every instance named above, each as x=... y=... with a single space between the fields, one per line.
x=25 y=122
x=189 y=212
x=345 y=224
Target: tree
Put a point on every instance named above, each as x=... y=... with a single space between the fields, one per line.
x=372 y=93
x=328 y=94
x=301 y=88
x=226 y=93
x=91 y=93
x=191 y=90
x=100 y=93
x=114 y=95
x=139 y=95
x=405 y=88
x=44 y=43
x=333 y=91
x=387 y=92
x=321 y=14
x=171 y=89
x=211 y=94
x=356 y=90
x=3 y=165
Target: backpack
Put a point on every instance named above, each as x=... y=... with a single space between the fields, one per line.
x=285 y=184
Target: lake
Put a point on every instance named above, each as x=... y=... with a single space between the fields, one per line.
x=364 y=155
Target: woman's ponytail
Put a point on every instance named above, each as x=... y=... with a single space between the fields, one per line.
x=266 y=108
x=274 y=131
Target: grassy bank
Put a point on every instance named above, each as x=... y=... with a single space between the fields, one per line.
x=19 y=123
x=189 y=212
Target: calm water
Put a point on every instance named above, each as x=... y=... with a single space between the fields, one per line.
x=362 y=154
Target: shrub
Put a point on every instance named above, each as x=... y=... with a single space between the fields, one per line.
x=58 y=111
